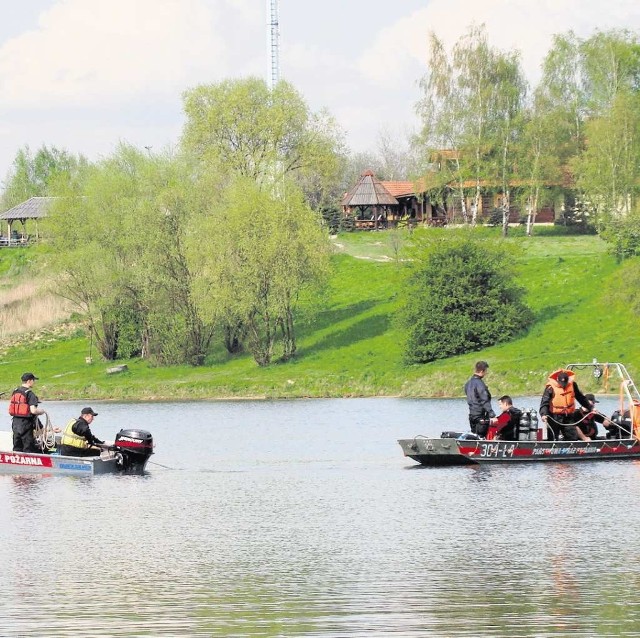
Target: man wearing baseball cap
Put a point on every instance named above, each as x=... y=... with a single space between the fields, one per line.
x=558 y=406
x=23 y=407
x=77 y=439
x=589 y=419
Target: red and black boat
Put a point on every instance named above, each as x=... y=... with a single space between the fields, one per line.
x=532 y=444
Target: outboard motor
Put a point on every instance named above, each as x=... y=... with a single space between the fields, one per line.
x=133 y=449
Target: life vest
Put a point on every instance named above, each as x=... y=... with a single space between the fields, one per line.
x=19 y=404
x=563 y=400
x=635 y=418
x=69 y=437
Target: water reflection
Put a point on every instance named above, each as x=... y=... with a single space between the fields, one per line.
x=298 y=519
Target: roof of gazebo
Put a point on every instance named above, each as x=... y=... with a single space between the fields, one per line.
x=33 y=208
x=369 y=191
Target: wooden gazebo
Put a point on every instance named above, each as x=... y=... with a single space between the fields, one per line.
x=369 y=202
x=34 y=208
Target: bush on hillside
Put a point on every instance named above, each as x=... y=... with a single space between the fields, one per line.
x=622 y=235
x=461 y=296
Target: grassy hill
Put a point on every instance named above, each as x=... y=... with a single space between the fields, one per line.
x=354 y=346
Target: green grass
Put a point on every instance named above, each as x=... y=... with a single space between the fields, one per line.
x=353 y=346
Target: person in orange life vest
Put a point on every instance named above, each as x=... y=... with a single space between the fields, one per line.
x=505 y=426
x=558 y=406
x=23 y=407
x=588 y=419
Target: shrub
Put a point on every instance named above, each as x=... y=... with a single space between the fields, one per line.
x=461 y=296
x=622 y=235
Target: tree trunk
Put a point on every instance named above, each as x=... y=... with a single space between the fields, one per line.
x=506 y=205
x=233 y=335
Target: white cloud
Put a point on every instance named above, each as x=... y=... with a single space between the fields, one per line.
x=93 y=72
x=524 y=25
x=103 y=52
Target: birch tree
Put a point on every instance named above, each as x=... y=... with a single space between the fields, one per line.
x=443 y=127
x=509 y=102
x=470 y=108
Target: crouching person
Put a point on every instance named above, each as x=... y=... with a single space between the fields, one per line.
x=505 y=426
x=78 y=439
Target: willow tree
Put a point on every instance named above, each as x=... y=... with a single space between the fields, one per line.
x=265 y=249
x=119 y=248
x=243 y=128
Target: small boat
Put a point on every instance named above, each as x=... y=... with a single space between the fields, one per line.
x=532 y=445
x=129 y=454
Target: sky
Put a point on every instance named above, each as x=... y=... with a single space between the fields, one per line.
x=85 y=75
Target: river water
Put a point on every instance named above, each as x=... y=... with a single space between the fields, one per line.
x=302 y=518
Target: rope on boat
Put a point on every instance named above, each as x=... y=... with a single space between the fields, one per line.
x=44 y=433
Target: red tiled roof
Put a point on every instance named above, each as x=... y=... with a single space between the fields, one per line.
x=400 y=188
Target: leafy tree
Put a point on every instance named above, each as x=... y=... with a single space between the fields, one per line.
x=510 y=93
x=610 y=64
x=538 y=156
x=265 y=249
x=589 y=99
x=622 y=234
x=461 y=296
x=561 y=99
x=119 y=242
x=244 y=128
x=37 y=175
x=608 y=171
x=470 y=108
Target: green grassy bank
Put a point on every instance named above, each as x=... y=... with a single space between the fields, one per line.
x=354 y=346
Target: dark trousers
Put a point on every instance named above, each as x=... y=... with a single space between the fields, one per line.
x=24 y=439
x=563 y=424
x=479 y=425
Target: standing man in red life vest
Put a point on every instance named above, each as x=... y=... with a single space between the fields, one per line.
x=23 y=407
x=558 y=405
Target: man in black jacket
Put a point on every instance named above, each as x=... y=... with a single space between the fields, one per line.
x=78 y=440
x=23 y=406
x=479 y=400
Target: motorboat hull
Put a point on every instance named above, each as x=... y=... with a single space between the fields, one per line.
x=24 y=463
x=439 y=451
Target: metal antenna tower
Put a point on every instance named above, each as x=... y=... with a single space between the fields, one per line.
x=273 y=43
